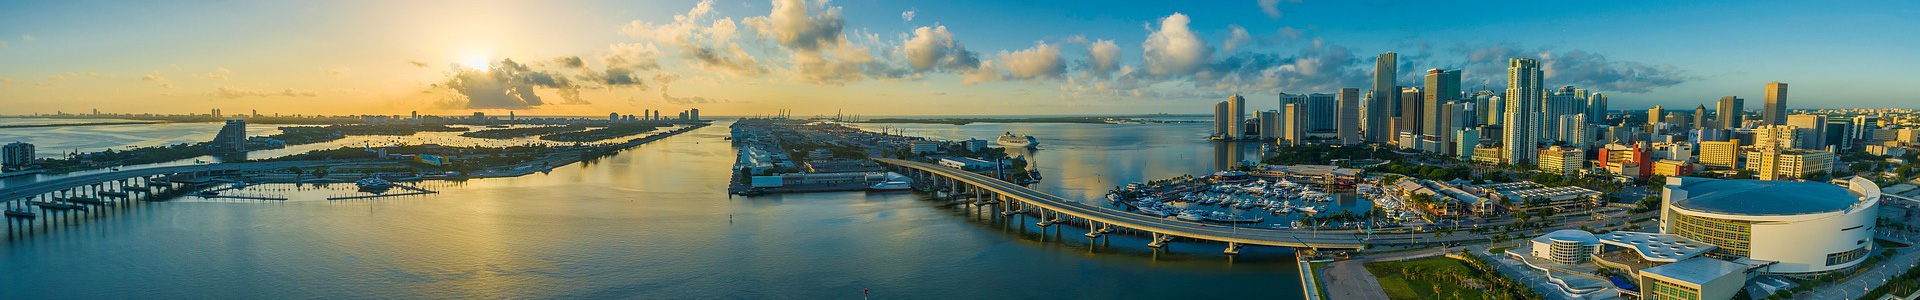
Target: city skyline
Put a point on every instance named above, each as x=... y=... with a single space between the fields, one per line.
x=746 y=58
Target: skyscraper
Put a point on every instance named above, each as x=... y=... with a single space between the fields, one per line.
x=1221 y=126
x=1385 y=94
x=1294 y=124
x=1813 y=129
x=1237 y=111
x=1349 y=127
x=1730 y=112
x=232 y=137
x=1442 y=86
x=1560 y=102
x=1413 y=116
x=1700 y=117
x=1269 y=124
x=1597 y=108
x=1321 y=113
x=1656 y=114
x=1520 y=133
x=1775 y=112
x=1496 y=113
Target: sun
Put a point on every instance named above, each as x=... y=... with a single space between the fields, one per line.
x=475 y=63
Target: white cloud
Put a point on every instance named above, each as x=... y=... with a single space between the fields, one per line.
x=1042 y=60
x=793 y=25
x=219 y=73
x=934 y=47
x=1174 y=49
x=906 y=16
x=1272 y=7
x=155 y=77
x=234 y=93
x=28 y=38
x=71 y=75
x=1238 y=37
x=1106 y=56
x=337 y=71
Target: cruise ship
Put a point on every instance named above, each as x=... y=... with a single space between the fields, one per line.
x=1012 y=140
x=894 y=182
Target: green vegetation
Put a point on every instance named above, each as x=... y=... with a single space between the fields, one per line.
x=508 y=133
x=1323 y=155
x=609 y=132
x=1427 y=278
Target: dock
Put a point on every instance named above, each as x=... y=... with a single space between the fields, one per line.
x=415 y=191
x=238 y=197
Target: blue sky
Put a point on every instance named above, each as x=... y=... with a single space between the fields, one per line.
x=973 y=57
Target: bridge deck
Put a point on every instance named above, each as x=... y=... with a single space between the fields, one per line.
x=1251 y=236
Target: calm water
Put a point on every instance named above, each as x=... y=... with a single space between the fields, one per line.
x=650 y=223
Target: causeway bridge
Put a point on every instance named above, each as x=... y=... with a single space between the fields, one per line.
x=1012 y=199
x=75 y=195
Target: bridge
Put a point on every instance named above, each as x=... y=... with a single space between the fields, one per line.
x=1015 y=199
x=63 y=196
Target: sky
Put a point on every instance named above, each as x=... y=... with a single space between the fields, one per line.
x=877 y=57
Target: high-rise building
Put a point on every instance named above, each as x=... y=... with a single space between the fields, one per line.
x=1775 y=112
x=1237 y=110
x=1656 y=114
x=1222 y=125
x=693 y=114
x=1321 y=112
x=1559 y=102
x=1573 y=130
x=1464 y=142
x=1680 y=119
x=1700 y=117
x=1349 y=128
x=1730 y=113
x=1269 y=124
x=1385 y=94
x=1521 y=130
x=1413 y=113
x=1720 y=155
x=1295 y=123
x=231 y=139
x=1839 y=133
x=1496 y=112
x=1778 y=137
x=1597 y=108
x=16 y=156
x=1811 y=128
x=1442 y=86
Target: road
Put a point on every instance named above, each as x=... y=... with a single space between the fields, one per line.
x=1877 y=275
x=21 y=192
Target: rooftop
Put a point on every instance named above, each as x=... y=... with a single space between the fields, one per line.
x=1571 y=235
x=1656 y=247
x=1697 y=271
x=1757 y=197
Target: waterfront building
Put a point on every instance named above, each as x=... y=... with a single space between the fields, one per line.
x=1236 y=117
x=1320 y=113
x=1566 y=246
x=1775 y=111
x=1521 y=129
x=1270 y=124
x=1801 y=227
x=1730 y=112
x=1293 y=123
x=231 y=139
x=1562 y=160
x=16 y=156
x=1349 y=128
x=693 y=114
x=923 y=147
x=1222 y=126
x=1383 y=99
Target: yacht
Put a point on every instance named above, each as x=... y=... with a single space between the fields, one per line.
x=894 y=182
x=373 y=184
x=1012 y=140
x=1192 y=216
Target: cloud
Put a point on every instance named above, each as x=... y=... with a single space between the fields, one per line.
x=28 y=38
x=1238 y=37
x=71 y=75
x=1290 y=33
x=631 y=56
x=218 y=73
x=337 y=71
x=4 y=45
x=6 y=81
x=417 y=63
x=1174 y=49
x=686 y=100
x=697 y=35
x=1595 y=71
x=1272 y=7
x=508 y=85
x=1041 y=61
x=233 y=93
x=793 y=25
x=1105 y=55
x=906 y=16
x=155 y=77
x=571 y=61
x=934 y=47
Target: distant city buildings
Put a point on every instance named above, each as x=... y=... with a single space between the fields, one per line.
x=231 y=139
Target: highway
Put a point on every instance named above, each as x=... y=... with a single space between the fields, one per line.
x=1247 y=236
x=37 y=188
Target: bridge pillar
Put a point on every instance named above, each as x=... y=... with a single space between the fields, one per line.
x=1233 y=248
